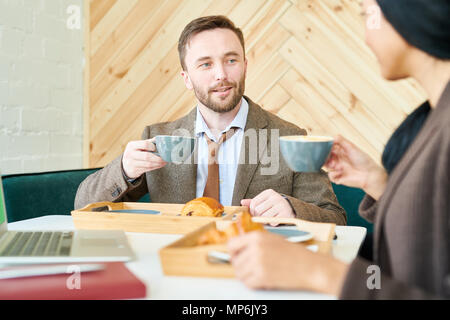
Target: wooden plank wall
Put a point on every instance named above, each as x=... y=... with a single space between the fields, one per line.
x=308 y=63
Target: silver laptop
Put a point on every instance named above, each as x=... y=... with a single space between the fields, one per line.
x=59 y=246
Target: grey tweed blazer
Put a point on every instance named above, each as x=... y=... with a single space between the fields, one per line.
x=310 y=194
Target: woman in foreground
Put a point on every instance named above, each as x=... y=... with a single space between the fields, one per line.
x=408 y=199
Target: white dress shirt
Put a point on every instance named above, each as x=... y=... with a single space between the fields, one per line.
x=228 y=156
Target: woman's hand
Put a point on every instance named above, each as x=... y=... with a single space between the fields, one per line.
x=350 y=166
x=263 y=260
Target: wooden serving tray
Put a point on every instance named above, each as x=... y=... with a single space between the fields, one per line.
x=169 y=221
x=185 y=258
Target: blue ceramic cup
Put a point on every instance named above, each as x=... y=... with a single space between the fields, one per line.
x=174 y=149
x=305 y=153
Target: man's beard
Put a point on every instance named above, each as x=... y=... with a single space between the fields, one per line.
x=207 y=101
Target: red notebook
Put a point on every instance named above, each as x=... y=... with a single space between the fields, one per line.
x=115 y=281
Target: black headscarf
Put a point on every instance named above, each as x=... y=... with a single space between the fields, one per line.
x=425 y=24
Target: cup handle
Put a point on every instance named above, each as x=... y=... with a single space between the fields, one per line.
x=155 y=153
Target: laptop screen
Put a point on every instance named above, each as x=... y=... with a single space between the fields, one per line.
x=2 y=204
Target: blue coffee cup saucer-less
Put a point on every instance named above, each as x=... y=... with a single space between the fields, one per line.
x=305 y=153
x=174 y=149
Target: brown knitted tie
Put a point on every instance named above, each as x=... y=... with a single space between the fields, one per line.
x=212 y=183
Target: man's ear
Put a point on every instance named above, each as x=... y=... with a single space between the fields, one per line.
x=245 y=68
x=187 y=80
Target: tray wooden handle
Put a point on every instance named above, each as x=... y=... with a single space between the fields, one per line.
x=95 y=205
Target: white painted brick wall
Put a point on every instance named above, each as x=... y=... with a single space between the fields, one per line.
x=41 y=81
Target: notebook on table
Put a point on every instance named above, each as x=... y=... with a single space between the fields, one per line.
x=112 y=280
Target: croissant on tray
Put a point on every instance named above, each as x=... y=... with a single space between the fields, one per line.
x=243 y=224
x=203 y=207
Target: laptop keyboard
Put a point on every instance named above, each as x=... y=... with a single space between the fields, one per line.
x=38 y=244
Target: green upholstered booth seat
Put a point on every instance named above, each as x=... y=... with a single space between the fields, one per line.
x=350 y=198
x=34 y=195
x=39 y=194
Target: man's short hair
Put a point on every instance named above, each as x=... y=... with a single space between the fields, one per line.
x=202 y=24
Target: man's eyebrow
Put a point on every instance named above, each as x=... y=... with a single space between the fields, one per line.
x=202 y=59
x=230 y=53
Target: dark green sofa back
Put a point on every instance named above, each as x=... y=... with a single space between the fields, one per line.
x=34 y=195
x=38 y=194
x=53 y=193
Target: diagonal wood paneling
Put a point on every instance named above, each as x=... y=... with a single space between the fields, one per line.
x=308 y=63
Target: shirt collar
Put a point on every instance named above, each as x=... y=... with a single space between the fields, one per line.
x=239 y=121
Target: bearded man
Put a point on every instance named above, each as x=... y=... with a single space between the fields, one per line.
x=212 y=56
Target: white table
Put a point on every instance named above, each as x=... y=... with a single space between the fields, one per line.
x=147 y=265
